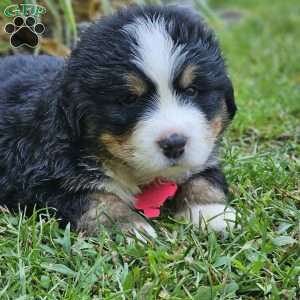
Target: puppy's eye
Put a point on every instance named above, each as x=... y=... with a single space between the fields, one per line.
x=191 y=92
x=129 y=100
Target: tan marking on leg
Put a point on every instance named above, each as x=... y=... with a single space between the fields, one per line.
x=202 y=203
x=108 y=210
x=102 y=208
x=200 y=190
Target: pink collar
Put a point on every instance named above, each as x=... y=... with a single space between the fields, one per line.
x=154 y=196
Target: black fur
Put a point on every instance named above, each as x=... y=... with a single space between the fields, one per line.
x=216 y=177
x=37 y=151
x=53 y=111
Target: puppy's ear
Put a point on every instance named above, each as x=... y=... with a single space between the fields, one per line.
x=229 y=100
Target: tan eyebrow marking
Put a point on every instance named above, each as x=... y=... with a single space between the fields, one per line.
x=188 y=76
x=136 y=84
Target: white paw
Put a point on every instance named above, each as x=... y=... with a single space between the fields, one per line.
x=216 y=216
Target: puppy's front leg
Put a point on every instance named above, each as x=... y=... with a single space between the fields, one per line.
x=202 y=201
x=108 y=210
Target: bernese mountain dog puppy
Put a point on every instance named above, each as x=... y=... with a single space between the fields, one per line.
x=144 y=96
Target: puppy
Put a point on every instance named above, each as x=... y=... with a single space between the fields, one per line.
x=144 y=96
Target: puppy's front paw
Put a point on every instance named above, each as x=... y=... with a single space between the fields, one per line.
x=109 y=211
x=216 y=216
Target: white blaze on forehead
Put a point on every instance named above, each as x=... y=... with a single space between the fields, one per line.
x=156 y=54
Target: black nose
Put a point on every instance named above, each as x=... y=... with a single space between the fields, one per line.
x=173 y=146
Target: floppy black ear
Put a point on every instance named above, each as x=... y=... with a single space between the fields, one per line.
x=229 y=100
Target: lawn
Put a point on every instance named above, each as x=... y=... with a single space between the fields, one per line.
x=261 y=158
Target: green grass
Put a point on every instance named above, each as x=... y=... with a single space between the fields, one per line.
x=261 y=160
